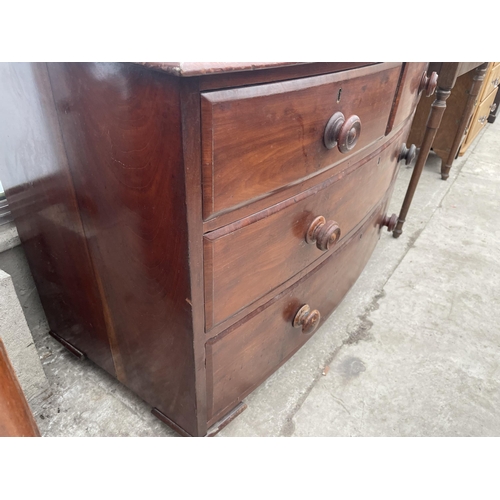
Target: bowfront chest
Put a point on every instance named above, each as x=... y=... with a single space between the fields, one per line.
x=190 y=226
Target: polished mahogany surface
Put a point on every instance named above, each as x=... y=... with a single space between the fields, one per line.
x=122 y=134
x=189 y=231
x=16 y=419
x=259 y=139
x=242 y=357
x=247 y=259
x=41 y=196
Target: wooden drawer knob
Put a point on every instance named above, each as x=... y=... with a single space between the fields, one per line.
x=408 y=154
x=428 y=83
x=341 y=132
x=390 y=222
x=322 y=232
x=307 y=319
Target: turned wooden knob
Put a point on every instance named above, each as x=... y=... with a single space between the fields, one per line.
x=390 y=222
x=307 y=319
x=408 y=154
x=322 y=232
x=341 y=132
x=428 y=83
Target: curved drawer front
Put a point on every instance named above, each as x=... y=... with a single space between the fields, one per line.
x=408 y=93
x=247 y=259
x=259 y=139
x=242 y=357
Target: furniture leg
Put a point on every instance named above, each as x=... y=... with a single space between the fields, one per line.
x=435 y=116
x=477 y=82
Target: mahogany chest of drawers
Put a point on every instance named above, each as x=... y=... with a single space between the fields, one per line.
x=189 y=226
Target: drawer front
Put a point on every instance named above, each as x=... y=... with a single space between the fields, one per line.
x=491 y=82
x=257 y=140
x=479 y=120
x=247 y=259
x=242 y=357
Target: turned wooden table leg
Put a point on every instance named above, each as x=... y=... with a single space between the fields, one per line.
x=435 y=116
x=479 y=73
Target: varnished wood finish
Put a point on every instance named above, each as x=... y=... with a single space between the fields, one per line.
x=226 y=419
x=428 y=84
x=323 y=233
x=257 y=140
x=408 y=154
x=480 y=119
x=390 y=222
x=109 y=170
x=247 y=259
x=245 y=355
x=464 y=84
x=487 y=98
x=473 y=93
x=426 y=131
x=407 y=94
x=353 y=161
x=70 y=347
x=191 y=116
x=306 y=319
x=16 y=419
x=495 y=111
x=122 y=133
x=491 y=81
x=217 y=81
x=39 y=189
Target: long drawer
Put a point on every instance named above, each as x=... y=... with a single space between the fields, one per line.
x=258 y=139
x=247 y=259
x=491 y=81
x=243 y=356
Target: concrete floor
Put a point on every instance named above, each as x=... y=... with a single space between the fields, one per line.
x=413 y=350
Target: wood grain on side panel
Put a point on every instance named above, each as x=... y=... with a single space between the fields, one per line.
x=39 y=189
x=122 y=131
x=408 y=94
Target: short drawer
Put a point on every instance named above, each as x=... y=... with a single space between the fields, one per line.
x=492 y=81
x=249 y=258
x=257 y=140
x=240 y=358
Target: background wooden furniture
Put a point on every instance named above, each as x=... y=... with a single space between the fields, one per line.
x=465 y=79
x=494 y=110
x=16 y=419
x=442 y=131
x=484 y=106
x=189 y=226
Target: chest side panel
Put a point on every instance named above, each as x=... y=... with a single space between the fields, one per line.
x=122 y=132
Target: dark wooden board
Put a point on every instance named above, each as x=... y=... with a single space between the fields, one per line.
x=247 y=259
x=257 y=140
x=122 y=133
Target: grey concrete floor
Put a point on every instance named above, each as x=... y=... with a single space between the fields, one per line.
x=413 y=350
